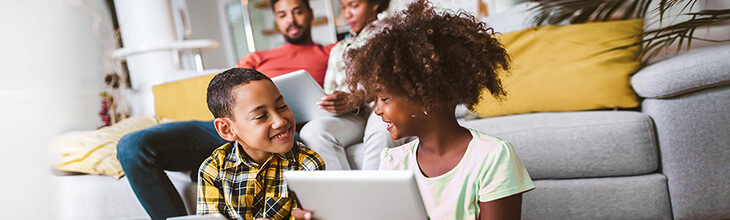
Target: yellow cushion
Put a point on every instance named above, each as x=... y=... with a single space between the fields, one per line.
x=95 y=152
x=183 y=100
x=557 y=68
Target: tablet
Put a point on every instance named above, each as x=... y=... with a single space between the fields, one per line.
x=301 y=94
x=216 y=216
x=355 y=194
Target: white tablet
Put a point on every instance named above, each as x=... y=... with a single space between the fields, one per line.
x=216 y=216
x=356 y=194
x=301 y=94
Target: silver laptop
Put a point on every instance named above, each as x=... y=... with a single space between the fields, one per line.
x=357 y=194
x=301 y=94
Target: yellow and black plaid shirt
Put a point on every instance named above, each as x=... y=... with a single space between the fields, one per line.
x=231 y=183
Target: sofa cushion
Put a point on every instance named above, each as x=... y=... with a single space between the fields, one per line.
x=634 y=197
x=103 y=197
x=559 y=68
x=95 y=152
x=183 y=100
x=577 y=144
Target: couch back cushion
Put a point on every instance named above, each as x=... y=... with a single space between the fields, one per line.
x=584 y=144
x=559 y=68
x=183 y=100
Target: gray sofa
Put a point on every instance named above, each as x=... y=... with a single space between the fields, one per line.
x=670 y=160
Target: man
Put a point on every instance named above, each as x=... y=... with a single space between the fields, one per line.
x=294 y=20
x=182 y=146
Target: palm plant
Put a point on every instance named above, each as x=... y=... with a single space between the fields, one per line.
x=654 y=41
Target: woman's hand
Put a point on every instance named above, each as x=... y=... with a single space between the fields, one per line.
x=335 y=102
x=301 y=214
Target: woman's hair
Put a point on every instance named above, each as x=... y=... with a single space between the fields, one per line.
x=434 y=58
x=382 y=4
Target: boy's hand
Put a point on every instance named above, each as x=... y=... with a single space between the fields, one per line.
x=335 y=102
x=301 y=214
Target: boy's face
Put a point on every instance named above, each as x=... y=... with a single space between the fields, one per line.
x=403 y=118
x=262 y=121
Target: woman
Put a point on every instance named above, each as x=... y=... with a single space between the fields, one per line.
x=330 y=135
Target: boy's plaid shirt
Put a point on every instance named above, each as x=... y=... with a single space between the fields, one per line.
x=233 y=184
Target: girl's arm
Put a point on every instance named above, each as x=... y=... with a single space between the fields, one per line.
x=509 y=207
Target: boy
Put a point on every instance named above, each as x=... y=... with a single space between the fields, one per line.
x=243 y=178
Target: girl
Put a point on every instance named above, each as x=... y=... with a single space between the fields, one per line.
x=418 y=66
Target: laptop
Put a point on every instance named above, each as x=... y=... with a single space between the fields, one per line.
x=301 y=94
x=356 y=194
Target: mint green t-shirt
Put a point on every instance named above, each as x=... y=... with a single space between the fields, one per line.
x=489 y=170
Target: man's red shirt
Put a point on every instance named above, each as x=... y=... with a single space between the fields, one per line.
x=288 y=58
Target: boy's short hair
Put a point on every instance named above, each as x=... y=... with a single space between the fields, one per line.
x=272 y=2
x=219 y=97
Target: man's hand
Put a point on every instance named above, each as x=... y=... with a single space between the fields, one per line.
x=301 y=214
x=335 y=102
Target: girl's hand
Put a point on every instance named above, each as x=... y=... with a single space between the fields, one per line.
x=335 y=102
x=301 y=214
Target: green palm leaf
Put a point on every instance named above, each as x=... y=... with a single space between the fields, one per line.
x=654 y=41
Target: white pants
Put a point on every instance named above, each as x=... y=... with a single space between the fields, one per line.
x=329 y=136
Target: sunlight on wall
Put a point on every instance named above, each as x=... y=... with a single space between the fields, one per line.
x=49 y=84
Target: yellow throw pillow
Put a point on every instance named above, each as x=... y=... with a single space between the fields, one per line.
x=95 y=152
x=558 y=68
x=183 y=100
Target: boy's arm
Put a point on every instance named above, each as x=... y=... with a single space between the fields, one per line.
x=310 y=160
x=210 y=197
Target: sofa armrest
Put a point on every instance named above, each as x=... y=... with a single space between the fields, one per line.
x=696 y=70
x=688 y=98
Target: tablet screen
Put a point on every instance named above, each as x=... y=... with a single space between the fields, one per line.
x=358 y=194
x=301 y=94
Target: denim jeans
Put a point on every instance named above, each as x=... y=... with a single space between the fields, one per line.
x=177 y=146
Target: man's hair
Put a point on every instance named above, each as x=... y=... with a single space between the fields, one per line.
x=272 y=2
x=434 y=58
x=220 y=97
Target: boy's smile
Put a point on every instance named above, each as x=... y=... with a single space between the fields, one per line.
x=282 y=136
x=262 y=122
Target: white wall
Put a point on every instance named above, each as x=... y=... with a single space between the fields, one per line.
x=50 y=78
x=716 y=32
x=204 y=20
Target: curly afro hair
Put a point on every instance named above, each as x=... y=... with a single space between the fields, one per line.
x=436 y=59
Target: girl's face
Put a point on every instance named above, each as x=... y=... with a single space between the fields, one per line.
x=358 y=13
x=403 y=117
